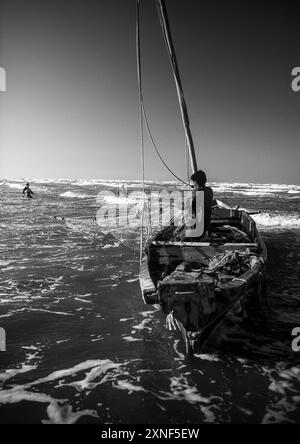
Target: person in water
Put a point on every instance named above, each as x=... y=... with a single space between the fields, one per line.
x=28 y=191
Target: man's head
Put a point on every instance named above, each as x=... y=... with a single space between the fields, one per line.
x=199 y=178
x=27 y=184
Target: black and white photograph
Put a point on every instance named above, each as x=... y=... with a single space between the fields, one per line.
x=149 y=215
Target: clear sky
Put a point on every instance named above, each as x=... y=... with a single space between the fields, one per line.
x=71 y=109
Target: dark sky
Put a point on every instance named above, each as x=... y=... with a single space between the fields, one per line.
x=71 y=109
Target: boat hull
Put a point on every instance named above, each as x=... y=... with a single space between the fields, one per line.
x=195 y=295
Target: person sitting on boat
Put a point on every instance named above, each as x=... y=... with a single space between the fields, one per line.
x=199 y=180
x=197 y=211
x=28 y=191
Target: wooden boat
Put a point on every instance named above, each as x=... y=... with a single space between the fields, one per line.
x=197 y=283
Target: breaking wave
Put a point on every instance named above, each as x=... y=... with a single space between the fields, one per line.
x=252 y=189
x=269 y=220
x=17 y=186
x=71 y=195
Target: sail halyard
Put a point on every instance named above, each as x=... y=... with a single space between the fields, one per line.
x=165 y=26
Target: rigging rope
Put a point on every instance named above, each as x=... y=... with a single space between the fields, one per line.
x=144 y=120
x=156 y=149
x=143 y=114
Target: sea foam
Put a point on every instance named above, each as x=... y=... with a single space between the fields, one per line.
x=277 y=220
x=71 y=195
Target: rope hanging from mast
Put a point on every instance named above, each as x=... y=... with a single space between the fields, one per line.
x=156 y=149
x=143 y=114
x=144 y=120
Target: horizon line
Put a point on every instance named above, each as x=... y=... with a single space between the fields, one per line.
x=34 y=179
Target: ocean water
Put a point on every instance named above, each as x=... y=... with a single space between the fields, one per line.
x=83 y=348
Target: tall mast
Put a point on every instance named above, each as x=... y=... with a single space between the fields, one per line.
x=165 y=26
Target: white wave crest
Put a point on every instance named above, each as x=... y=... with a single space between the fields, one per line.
x=17 y=186
x=277 y=220
x=71 y=195
x=256 y=193
x=252 y=189
x=120 y=200
x=118 y=183
x=54 y=181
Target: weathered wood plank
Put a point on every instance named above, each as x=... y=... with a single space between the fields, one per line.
x=200 y=244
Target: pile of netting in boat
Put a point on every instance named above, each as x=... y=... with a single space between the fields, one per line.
x=230 y=263
x=224 y=266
